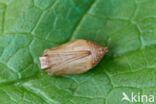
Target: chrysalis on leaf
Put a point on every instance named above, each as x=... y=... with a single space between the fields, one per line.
x=74 y=57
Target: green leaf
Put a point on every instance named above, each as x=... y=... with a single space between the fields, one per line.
x=28 y=27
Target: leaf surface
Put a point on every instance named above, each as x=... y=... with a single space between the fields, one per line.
x=28 y=27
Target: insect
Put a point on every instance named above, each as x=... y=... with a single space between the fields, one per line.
x=74 y=57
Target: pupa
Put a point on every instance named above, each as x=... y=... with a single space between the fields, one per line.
x=74 y=57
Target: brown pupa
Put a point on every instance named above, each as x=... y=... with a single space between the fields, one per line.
x=74 y=57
